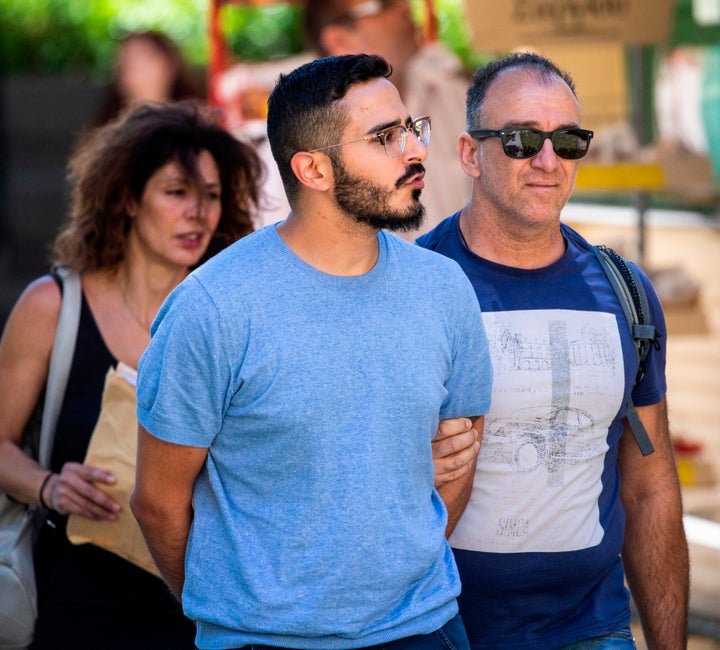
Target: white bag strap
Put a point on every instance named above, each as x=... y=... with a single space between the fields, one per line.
x=60 y=361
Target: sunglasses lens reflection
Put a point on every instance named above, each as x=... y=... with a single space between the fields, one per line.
x=525 y=143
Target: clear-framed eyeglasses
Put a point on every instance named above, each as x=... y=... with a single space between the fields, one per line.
x=394 y=138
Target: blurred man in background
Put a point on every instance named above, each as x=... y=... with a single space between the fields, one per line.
x=429 y=77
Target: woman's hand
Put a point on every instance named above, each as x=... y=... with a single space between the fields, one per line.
x=75 y=491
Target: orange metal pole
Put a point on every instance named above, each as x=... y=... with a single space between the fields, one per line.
x=431 y=22
x=217 y=52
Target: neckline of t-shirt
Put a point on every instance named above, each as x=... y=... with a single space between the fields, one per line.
x=558 y=266
x=346 y=280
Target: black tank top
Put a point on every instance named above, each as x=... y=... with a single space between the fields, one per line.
x=81 y=405
x=89 y=598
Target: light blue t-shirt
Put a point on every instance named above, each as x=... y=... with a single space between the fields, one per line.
x=316 y=522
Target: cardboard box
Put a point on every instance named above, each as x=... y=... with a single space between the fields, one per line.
x=688 y=174
x=600 y=75
x=511 y=24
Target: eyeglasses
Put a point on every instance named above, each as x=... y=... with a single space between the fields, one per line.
x=570 y=144
x=394 y=138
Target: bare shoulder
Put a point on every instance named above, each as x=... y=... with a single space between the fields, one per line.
x=33 y=320
x=25 y=350
x=40 y=301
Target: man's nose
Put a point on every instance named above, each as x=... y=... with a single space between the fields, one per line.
x=415 y=150
x=546 y=157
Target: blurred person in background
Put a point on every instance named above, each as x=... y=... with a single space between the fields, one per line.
x=155 y=193
x=149 y=66
x=429 y=77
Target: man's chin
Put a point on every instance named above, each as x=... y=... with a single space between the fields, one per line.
x=407 y=223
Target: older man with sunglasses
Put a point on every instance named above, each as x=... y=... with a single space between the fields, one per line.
x=564 y=505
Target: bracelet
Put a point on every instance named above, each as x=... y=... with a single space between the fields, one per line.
x=42 y=489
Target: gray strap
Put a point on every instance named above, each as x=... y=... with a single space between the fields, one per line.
x=628 y=306
x=61 y=360
x=621 y=291
x=639 y=431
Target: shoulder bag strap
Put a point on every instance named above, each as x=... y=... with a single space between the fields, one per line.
x=61 y=360
x=638 y=329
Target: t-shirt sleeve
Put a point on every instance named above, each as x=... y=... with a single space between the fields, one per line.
x=184 y=378
x=469 y=384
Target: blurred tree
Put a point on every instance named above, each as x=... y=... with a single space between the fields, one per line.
x=80 y=36
x=256 y=33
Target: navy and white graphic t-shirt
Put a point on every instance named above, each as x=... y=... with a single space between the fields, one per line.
x=538 y=547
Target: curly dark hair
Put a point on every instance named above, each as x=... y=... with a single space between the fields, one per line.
x=112 y=164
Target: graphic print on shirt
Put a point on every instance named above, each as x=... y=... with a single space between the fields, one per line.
x=558 y=385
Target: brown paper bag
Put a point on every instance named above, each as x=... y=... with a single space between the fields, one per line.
x=113 y=447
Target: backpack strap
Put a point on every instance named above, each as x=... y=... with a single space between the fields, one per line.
x=630 y=293
x=61 y=359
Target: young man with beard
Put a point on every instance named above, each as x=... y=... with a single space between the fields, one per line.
x=564 y=505
x=289 y=395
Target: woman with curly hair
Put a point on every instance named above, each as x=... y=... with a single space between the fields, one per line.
x=155 y=193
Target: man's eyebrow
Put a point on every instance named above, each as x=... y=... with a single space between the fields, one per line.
x=387 y=125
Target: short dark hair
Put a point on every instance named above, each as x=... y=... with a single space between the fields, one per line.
x=112 y=164
x=486 y=75
x=303 y=113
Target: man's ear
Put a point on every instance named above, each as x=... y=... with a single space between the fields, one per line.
x=313 y=170
x=337 y=40
x=467 y=148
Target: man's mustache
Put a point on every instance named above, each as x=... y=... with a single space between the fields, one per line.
x=412 y=170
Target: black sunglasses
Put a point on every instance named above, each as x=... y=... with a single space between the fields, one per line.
x=570 y=144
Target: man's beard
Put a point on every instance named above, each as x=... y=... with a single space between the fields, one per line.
x=370 y=204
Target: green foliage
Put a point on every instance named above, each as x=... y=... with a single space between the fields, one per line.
x=267 y=32
x=685 y=31
x=80 y=36
x=262 y=33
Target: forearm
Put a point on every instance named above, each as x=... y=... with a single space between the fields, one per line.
x=655 y=552
x=455 y=496
x=21 y=475
x=162 y=502
x=455 y=453
x=166 y=537
x=655 y=555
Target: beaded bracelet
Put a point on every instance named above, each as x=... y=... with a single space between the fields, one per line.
x=42 y=489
